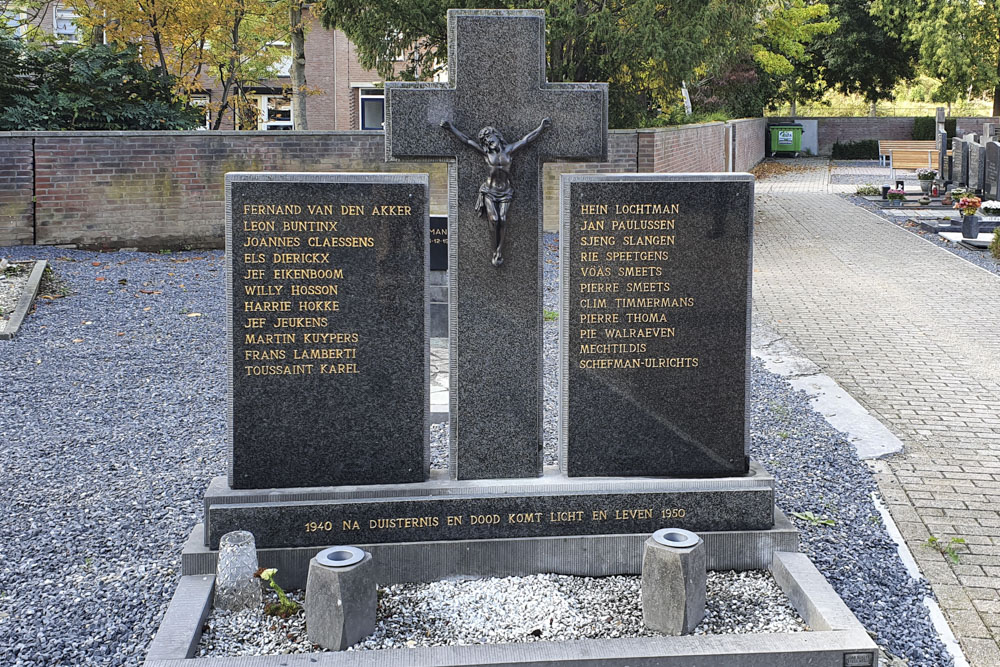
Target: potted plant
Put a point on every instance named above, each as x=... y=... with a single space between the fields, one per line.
x=926 y=178
x=990 y=210
x=896 y=196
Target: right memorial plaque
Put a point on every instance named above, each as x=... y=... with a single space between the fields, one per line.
x=654 y=324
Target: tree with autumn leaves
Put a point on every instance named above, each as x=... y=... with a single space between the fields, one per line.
x=234 y=42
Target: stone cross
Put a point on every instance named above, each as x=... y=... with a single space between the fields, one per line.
x=941 y=137
x=496 y=77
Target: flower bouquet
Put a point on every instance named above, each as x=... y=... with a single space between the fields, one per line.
x=896 y=196
x=926 y=174
x=968 y=205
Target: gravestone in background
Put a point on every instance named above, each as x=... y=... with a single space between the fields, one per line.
x=654 y=324
x=941 y=137
x=326 y=312
x=960 y=162
x=438 y=289
x=942 y=147
x=496 y=69
x=977 y=165
x=991 y=172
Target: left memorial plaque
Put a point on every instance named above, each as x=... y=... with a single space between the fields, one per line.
x=326 y=323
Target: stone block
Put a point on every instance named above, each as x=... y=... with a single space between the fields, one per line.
x=341 y=598
x=673 y=581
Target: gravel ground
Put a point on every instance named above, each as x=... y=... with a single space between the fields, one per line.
x=981 y=258
x=117 y=425
x=543 y=607
x=12 y=281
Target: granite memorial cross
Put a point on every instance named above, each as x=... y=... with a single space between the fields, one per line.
x=497 y=120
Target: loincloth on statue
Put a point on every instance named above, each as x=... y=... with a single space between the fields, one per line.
x=496 y=196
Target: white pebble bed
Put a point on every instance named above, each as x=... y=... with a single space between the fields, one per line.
x=10 y=290
x=544 y=607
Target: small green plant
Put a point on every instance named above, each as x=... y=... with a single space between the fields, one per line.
x=949 y=548
x=284 y=607
x=813 y=519
x=783 y=435
x=995 y=243
x=164 y=251
x=868 y=190
x=550 y=315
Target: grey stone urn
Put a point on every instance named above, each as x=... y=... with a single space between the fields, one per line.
x=673 y=581
x=341 y=598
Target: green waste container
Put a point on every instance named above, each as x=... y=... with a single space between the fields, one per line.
x=785 y=138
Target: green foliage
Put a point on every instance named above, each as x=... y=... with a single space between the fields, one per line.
x=949 y=549
x=550 y=315
x=861 y=56
x=740 y=88
x=814 y=520
x=995 y=243
x=956 y=41
x=924 y=128
x=284 y=607
x=868 y=190
x=644 y=49
x=100 y=87
x=865 y=149
x=781 y=47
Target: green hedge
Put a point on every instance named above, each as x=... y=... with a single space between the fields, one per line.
x=924 y=128
x=866 y=149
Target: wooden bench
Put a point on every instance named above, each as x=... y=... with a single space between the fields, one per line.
x=885 y=147
x=911 y=159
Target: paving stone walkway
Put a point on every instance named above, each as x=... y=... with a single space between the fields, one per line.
x=912 y=332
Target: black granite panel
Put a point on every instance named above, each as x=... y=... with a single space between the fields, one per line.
x=977 y=166
x=496 y=78
x=991 y=172
x=439 y=243
x=654 y=337
x=960 y=162
x=327 y=316
x=421 y=519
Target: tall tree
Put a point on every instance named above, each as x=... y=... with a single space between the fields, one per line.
x=784 y=34
x=644 y=49
x=958 y=40
x=297 y=39
x=861 y=56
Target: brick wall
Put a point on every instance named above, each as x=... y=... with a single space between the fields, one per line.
x=832 y=130
x=967 y=125
x=749 y=136
x=165 y=189
x=154 y=189
x=16 y=214
x=685 y=148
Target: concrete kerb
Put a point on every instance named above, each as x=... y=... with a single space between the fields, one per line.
x=837 y=639
x=870 y=437
x=24 y=303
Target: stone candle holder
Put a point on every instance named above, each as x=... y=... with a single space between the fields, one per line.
x=673 y=581
x=340 y=598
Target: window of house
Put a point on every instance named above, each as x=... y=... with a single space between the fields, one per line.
x=15 y=23
x=66 y=27
x=275 y=112
x=372 y=105
x=202 y=100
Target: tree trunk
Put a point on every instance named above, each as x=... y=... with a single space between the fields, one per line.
x=298 y=70
x=996 y=92
x=874 y=109
x=795 y=107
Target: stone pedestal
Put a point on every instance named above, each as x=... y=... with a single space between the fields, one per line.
x=673 y=581
x=341 y=598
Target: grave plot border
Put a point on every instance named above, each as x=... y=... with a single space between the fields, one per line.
x=837 y=638
x=26 y=299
